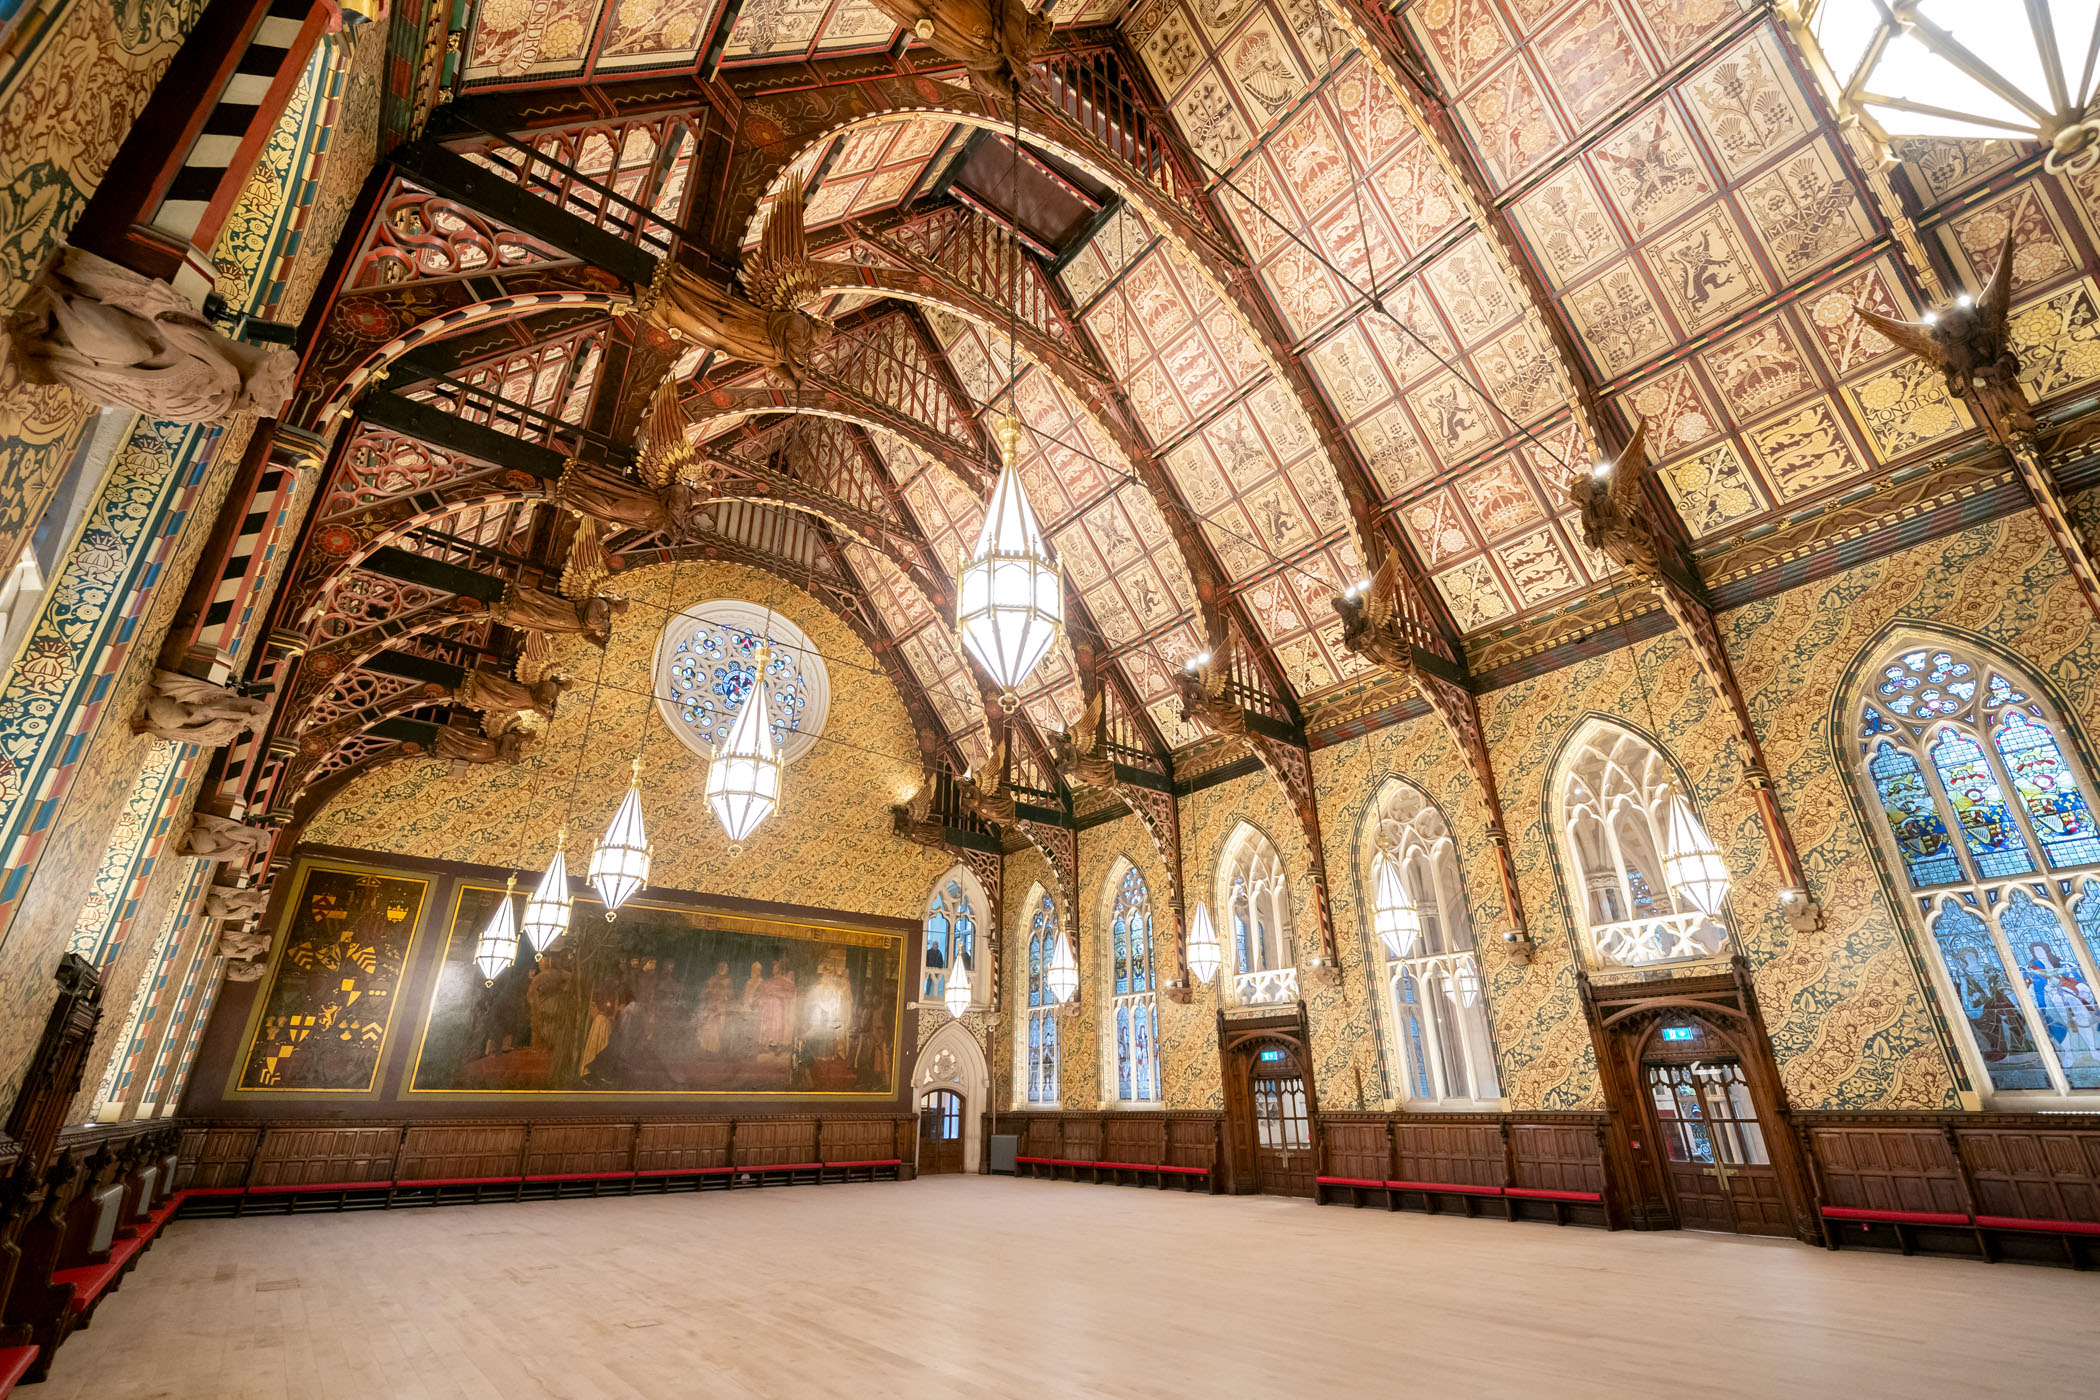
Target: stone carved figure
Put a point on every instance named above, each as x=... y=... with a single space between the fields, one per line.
x=994 y=40
x=120 y=339
x=493 y=694
x=243 y=971
x=192 y=711
x=222 y=838
x=1080 y=754
x=767 y=326
x=235 y=902
x=1615 y=509
x=536 y=610
x=1370 y=616
x=465 y=746
x=1203 y=698
x=241 y=944
x=1971 y=343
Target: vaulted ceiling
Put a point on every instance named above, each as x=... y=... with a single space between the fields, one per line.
x=1276 y=287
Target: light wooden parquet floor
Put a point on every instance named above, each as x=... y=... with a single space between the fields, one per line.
x=975 y=1286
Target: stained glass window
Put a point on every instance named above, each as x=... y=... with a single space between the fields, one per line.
x=2017 y=955
x=1042 y=1005
x=951 y=932
x=707 y=662
x=1136 y=996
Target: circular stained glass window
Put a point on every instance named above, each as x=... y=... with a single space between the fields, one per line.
x=707 y=662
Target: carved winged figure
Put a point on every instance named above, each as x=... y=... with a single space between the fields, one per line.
x=192 y=711
x=222 y=838
x=767 y=326
x=118 y=338
x=913 y=820
x=1615 y=510
x=995 y=40
x=1971 y=343
x=1203 y=698
x=465 y=746
x=536 y=610
x=989 y=798
x=1080 y=754
x=1370 y=620
x=494 y=694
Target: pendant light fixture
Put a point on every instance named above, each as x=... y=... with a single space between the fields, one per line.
x=955 y=991
x=1693 y=867
x=1205 y=956
x=498 y=948
x=1009 y=594
x=619 y=867
x=547 y=912
x=743 y=778
x=1394 y=916
x=1063 y=972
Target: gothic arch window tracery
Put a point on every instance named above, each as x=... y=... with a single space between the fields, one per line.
x=1132 y=1025
x=1255 y=896
x=952 y=913
x=1986 y=809
x=1437 y=1022
x=1041 y=1047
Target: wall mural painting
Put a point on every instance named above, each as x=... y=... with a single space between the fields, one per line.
x=670 y=1001
x=324 y=1020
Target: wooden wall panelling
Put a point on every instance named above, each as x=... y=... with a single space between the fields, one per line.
x=1558 y=1156
x=1193 y=1140
x=1461 y=1152
x=1887 y=1167
x=560 y=1149
x=216 y=1156
x=663 y=1147
x=1130 y=1138
x=774 y=1142
x=305 y=1155
x=1358 y=1146
x=455 y=1151
x=2033 y=1172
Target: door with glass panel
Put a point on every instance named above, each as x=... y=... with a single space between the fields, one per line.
x=940 y=1132
x=1706 y=1130
x=1283 y=1151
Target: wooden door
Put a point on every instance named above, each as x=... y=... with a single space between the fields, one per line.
x=1714 y=1147
x=1283 y=1154
x=940 y=1132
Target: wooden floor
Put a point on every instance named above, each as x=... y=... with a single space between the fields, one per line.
x=976 y=1286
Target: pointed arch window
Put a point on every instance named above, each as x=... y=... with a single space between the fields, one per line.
x=1134 y=1023
x=951 y=932
x=1616 y=794
x=1984 y=807
x=1257 y=903
x=1423 y=934
x=1042 y=1005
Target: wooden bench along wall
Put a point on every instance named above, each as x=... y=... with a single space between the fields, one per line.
x=1152 y=1148
x=1516 y=1166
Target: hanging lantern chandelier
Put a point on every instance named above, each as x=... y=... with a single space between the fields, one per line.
x=955 y=992
x=547 y=912
x=1205 y=956
x=743 y=778
x=498 y=948
x=619 y=868
x=1395 y=918
x=1063 y=972
x=1009 y=595
x=1963 y=69
x=1691 y=864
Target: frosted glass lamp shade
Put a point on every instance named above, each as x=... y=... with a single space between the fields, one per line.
x=743 y=778
x=1205 y=956
x=1009 y=599
x=1393 y=914
x=1695 y=871
x=498 y=948
x=1063 y=972
x=547 y=912
x=955 y=993
x=619 y=867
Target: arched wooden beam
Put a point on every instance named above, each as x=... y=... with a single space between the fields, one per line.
x=826 y=401
x=394 y=520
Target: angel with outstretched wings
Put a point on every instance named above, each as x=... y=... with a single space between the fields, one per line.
x=1971 y=343
x=1615 y=509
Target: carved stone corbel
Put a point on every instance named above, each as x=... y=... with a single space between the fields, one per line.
x=222 y=838
x=187 y=710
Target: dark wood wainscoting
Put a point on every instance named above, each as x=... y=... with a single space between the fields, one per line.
x=2022 y=1186
x=1151 y=1148
x=1518 y=1166
x=310 y=1166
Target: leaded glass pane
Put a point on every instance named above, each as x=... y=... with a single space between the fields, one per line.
x=2055 y=807
x=1928 y=855
x=1979 y=806
x=2002 y=1038
x=1124 y=1063
x=2057 y=986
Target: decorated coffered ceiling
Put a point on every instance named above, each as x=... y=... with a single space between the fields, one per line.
x=1343 y=282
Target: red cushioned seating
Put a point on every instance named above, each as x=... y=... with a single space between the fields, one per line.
x=580 y=1176
x=1444 y=1186
x=1349 y=1181
x=287 y=1190
x=91 y=1280
x=451 y=1181
x=2058 y=1227
x=877 y=1162
x=1895 y=1217
x=14 y=1364
x=685 y=1171
x=1540 y=1193
x=1186 y=1171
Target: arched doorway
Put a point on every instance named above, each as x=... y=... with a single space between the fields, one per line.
x=952 y=1064
x=1269 y=1107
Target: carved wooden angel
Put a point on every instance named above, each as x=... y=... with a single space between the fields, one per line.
x=1080 y=754
x=1615 y=509
x=1371 y=620
x=221 y=838
x=1971 y=343
x=118 y=338
x=913 y=820
x=995 y=40
x=536 y=610
x=630 y=505
x=493 y=694
x=1203 y=698
x=767 y=326
x=192 y=711
x=465 y=746
x=989 y=798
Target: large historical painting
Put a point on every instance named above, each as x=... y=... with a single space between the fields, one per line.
x=324 y=1020
x=676 y=1001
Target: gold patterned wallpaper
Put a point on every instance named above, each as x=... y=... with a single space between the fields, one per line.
x=829 y=845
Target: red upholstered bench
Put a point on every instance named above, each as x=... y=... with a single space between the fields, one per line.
x=1185 y=1171
x=579 y=1176
x=1349 y=1181
x=2052 y=1227
x=871 y=1162
x=293 y=1189
x=1443 y=1186
x=1540 y=1193
x=686 y=1171
x=1894 y=1217
x=91 y=1281
x=14 y=1364
x=421 y=1182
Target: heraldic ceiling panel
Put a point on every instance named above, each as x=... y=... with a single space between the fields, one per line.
x=1361 y=357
